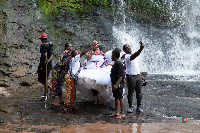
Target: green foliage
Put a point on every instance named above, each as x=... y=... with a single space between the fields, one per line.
x=54 y=6
x=30 y=38
x=1 y=46
x=3 y=4
x=154 y=8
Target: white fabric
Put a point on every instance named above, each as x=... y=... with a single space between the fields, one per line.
x=95 y=62
x=132 y=67
x=95 y=77
x=108 y=55
x=75 y=64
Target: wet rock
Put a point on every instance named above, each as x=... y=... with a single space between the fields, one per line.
x=24 y=83
x=4 y=84
x=3 y=110
x=6 y=109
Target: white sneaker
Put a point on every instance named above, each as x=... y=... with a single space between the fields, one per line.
x=130 y=110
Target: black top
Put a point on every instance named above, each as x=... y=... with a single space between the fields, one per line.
x=116 y=72
x=43 y=48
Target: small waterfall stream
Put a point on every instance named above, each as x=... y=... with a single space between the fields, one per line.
x=173 y=51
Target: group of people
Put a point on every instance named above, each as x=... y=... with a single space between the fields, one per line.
x=68 y=68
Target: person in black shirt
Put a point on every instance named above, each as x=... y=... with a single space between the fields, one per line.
x=45 y=47
x=117 y=79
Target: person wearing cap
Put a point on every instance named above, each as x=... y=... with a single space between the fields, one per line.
x=133 y=77
x=45 y=47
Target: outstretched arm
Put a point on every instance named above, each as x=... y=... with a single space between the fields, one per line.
x=84 y=52
x=88 y=55
x=133 y=56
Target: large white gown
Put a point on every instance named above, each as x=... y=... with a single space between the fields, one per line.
x=95 y=75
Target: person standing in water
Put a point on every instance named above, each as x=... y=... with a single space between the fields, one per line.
x=58 y=73
x=45 y=47
x=71 y=77
x=95 y=60
x=133 y=77
x=117 y=79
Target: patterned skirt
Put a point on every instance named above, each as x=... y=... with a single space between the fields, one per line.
x=57 y=82
x=70 y=95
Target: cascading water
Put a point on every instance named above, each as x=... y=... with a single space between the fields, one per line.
x=173 y=51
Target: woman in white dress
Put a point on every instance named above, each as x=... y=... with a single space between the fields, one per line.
x=94 y=79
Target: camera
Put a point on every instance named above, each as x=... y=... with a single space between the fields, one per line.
x=144 y=83
x=121 y=86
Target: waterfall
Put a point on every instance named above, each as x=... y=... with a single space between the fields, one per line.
x=173 y=50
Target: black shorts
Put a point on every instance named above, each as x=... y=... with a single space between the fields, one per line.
x=118 y=93
x=42 y=74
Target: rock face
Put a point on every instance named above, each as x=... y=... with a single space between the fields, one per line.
x=19 y=50
x=22 y=22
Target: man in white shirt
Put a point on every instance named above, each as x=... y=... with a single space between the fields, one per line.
x=133 y=77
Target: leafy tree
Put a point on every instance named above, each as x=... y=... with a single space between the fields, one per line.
x=54 y=6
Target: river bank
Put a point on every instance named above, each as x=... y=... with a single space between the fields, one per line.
x=168 y=106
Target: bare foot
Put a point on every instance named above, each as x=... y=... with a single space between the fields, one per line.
x=49 y=87
x=61 y=101
x=115 y=114
x=65 y=109
x=120 y=116
x=55 y=103
x=74 y=108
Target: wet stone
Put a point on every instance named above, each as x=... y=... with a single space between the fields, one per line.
x=159 y=105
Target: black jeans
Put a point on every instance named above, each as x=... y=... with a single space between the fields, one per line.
x=134 y=82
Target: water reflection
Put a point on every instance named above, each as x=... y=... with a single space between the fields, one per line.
x=139 y=126
x=103 y=127
x=100 y=127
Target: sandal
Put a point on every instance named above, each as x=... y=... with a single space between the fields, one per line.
x=55 y=104
x=120 y=116
x=75 y=108
x=115 y=114
x=65 y=109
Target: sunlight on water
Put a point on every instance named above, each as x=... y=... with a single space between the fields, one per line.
x=168 y=51
x=102 y=127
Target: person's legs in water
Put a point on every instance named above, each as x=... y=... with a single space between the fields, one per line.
x=138 y=90
x=116 y=108
x=56 y=89
x=118 y=95
x=95 y=93
x=122 y=108
x=53 y=94
x=70 y=95
x=99 y=97
x=42 y=80
x=53 y=101
x=131 y=86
